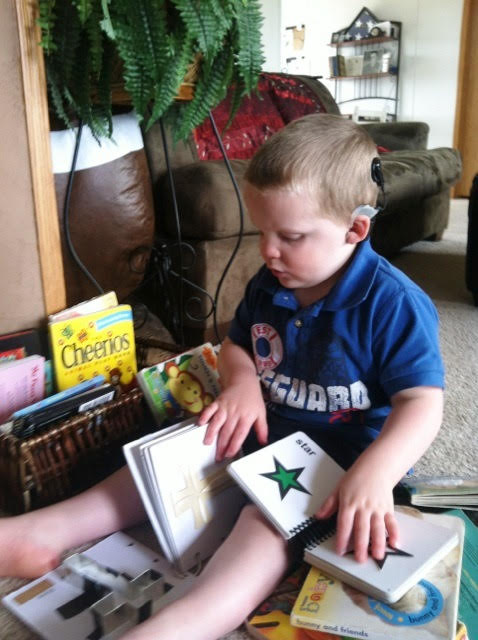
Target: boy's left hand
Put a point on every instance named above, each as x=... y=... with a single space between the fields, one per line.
x=365 y=514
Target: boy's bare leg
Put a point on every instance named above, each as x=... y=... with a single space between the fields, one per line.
x=32 y=543
x=243 y=572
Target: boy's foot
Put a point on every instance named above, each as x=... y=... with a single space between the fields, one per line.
x=24 y=553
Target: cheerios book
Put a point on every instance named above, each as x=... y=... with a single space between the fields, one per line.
x=96 y=343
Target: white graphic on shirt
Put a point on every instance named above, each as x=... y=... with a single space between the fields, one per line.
x=314 y=397
x=267 y=345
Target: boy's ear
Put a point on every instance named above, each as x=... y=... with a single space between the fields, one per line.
x=358 y=230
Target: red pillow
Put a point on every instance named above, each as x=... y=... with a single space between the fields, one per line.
x=255 y=121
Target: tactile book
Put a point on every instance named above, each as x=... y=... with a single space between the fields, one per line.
x=291 y=478
x=190 y=499
x=427 y=611
x=118 y=583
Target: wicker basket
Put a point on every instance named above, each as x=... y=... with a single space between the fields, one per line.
x=70 y=456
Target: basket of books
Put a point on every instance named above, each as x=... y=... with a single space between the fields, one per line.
x=68 y=456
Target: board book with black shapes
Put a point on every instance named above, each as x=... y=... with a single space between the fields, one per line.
x=181 y=387
x=96 y=343
x=427 y=611
x=290 y=479
x=191 y=501
x=111 y=587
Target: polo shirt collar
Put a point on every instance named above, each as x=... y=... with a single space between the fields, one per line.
x=352 y=288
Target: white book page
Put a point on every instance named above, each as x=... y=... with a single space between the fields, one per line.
x=133 y=454
x=199 y=501
x=303 y=476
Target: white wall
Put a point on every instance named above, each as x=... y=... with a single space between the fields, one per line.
x=429 y=50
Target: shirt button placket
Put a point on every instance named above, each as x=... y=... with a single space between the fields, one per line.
x=298 y=323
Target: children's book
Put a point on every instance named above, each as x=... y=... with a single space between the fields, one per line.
x=182 y=386
x=99 y=593
x=190 y=499
x=22 y=382
x=271 y=619
x=443 y=491
x=98 y=303
x=290 y=479
x=468 y=604
x=96 y=343
x=427 y=611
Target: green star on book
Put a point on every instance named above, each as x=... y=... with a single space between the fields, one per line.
x=286 y=478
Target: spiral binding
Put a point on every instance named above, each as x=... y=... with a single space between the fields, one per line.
x=311 y=532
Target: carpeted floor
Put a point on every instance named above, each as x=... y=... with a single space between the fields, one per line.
x=439 y=268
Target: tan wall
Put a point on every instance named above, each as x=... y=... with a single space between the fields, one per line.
x=22 y=298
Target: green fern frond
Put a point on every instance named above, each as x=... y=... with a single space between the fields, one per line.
x=104 y=84
x=95 y=37
x=166 y=88
x=106 y=23
x=84 y=8
x=212 y=88
x=202 y=24
x=142 y=41
x=46 y=22
x=250 y=57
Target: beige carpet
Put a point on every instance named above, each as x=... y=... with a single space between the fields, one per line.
x=439 y=268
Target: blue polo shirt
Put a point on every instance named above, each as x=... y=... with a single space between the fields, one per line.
x=335 y=364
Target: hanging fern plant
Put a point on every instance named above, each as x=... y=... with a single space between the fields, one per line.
x=153 y=43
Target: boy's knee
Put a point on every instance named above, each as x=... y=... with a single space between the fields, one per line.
x=255 y=523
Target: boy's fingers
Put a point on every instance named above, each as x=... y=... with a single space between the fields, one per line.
x=224 y=437
x=345 y=521
x=238 y=436
x=214 y=425
x=328 y=507
x=361 y=536
x=262 y=429
x=377 y=536
x=207 y=413
x=392 y=529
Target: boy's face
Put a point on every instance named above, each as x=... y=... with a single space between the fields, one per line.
x=304 y=250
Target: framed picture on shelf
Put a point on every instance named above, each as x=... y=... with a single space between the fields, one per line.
x=372 y=62
x=354 y=65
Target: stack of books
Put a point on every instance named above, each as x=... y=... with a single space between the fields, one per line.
x=412 y=594
x=93 y=359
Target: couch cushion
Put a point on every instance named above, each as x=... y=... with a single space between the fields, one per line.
x=207 y=202
x=420 y=173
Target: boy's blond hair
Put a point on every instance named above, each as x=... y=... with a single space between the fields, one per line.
x=323 y=156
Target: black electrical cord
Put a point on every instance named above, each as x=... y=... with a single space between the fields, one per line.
x=66 y=213
x=241 y=223
x=179 y=325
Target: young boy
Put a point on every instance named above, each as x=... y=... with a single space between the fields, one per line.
x=339 y=343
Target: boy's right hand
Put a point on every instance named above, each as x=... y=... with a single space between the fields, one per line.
x=238 y=408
